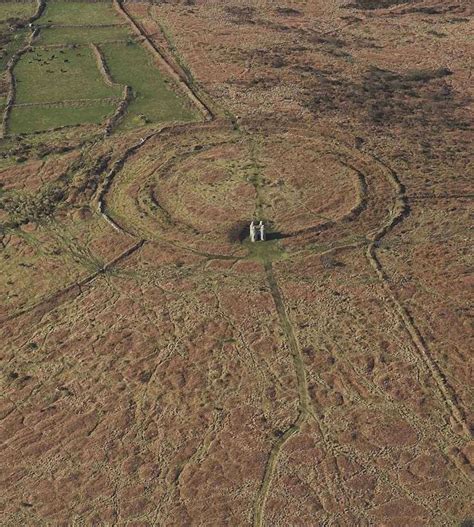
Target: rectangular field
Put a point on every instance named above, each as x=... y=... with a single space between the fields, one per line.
x=79 y=13
x=154 y=101
x=27 y=119
x=60 y=75
x=68 y=35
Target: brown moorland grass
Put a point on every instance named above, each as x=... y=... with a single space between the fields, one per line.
x=160 y=370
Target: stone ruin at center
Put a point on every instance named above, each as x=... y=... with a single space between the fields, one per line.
x=257 y=232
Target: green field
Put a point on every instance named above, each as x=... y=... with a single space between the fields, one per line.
x=30 y=119
x=69 y=73
x=154 y=99
x=77 y=13
x=80 y=36
x=19 y=10
x=60 y=75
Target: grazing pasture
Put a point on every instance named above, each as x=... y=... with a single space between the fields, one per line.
x=154 y=99
x=27 y=119
x=80 y=35
x=60 y=75
x=79 y=13
x=16 y=10
x=69 y=84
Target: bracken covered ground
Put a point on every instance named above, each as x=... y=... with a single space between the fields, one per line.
x=157 y=368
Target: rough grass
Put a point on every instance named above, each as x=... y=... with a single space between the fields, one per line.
x=11 y=46
x=154 y=99
x=17 y=10
x=378 y=4
x=54 y=255
x=82 y=35
x=59 y=75
x=386 y=98
x=267 y=251
x=182 y=370
x=36 y=118
x=77 y=13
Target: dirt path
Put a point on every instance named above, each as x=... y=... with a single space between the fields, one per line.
x=303 y=396
x=399 y=211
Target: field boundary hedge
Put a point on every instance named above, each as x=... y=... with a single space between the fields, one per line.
x=127 y=93
x=85 y=26
x=71 y=103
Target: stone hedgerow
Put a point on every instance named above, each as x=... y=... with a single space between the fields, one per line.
x=11 y=79
x=127 y=93
x=114 y=120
